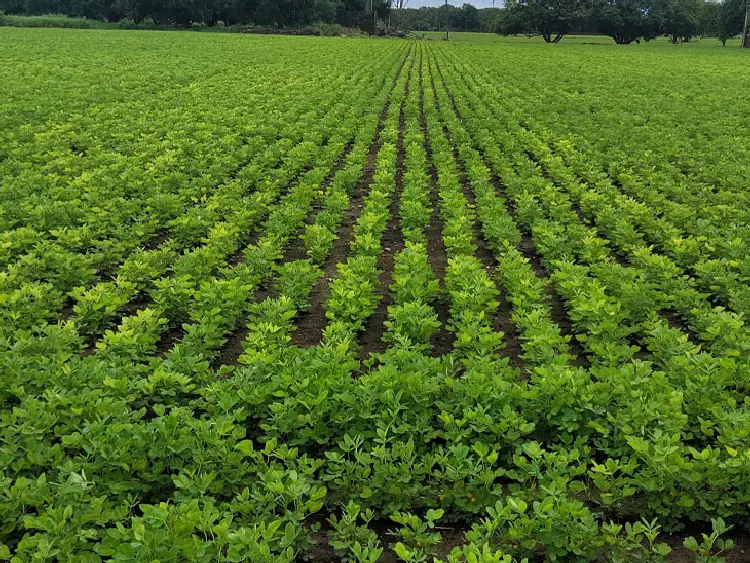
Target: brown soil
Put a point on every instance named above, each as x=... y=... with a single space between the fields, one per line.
x=253 y=235
x=322 y=552
x=501 y=320
x=233 y=348
x=673 y=318
x=527 y=247
x=371 y=338
x=294 y=250
x=157 y=240
x=676 y=322
x=169 y=340
x=740 y=553
x=312 y=322
x=441 y=342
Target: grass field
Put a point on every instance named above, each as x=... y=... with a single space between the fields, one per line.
x=286 y=299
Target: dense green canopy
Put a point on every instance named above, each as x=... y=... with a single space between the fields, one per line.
x=623 y=20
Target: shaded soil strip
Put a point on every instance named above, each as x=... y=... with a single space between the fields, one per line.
x=294 y=250
x=676 y=322
x=174 y=335
x=312 y=321
x=673 y=318
x=441 y=342
x=501 y=320
x=253 y=235
x=169 y=340
x=322 y=551
x=392 y=242
x=558 y=313
x=233 y=348
x=159 y=237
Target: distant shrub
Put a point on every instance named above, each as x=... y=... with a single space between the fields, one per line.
x=330 y=29
x=57 y=20
x=53 y=20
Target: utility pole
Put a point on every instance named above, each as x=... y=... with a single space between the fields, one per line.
x=746 y=29
x=446 y=21
x=369 y=8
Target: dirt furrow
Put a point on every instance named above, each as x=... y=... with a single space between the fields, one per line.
x=311 y=322
x=392 y=242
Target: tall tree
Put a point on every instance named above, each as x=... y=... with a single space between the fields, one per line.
x=400 y=7
x=708 y=19
x=469 y=17
x=681 y=19
x=626 y=20
x=731 y=19
x=551 y=19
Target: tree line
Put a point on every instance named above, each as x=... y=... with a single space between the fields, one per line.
x=625 y=21
x=464 y=18
x=273 y=13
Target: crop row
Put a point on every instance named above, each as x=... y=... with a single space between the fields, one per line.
x=402 y=303
x=609 y=305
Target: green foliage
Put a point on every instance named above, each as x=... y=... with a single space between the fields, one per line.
x=731 y=19
x=319 y=17
x=711 y=546
x=552 y=19
x=417 y=539
x=356 y=543
x=629 y=20
x=560 y=372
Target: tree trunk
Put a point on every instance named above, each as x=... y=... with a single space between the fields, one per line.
x=557 y=38
x=746 y=29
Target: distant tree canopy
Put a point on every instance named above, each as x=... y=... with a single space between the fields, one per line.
x=465 y=18
x=627 y=20
x=551 y=19
x=730 y=19
x=276 y=13
x=623 y=20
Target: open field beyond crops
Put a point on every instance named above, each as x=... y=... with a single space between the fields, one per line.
x=286 y=299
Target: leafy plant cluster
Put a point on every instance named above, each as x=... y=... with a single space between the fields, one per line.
x=613 y=305
x=173 y=414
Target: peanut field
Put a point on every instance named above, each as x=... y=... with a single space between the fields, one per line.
x=270 y=298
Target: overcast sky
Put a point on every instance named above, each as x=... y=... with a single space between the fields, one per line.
x=477 y=3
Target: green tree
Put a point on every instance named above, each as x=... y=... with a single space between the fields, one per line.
x=708 y=19
x=551 y=19
x=681 y=18
x=469 y=18
x=626 y=20
x=731 y=19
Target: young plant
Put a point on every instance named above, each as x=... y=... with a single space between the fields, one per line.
x=710 y=549
x=417 y=539
x=355 y=542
